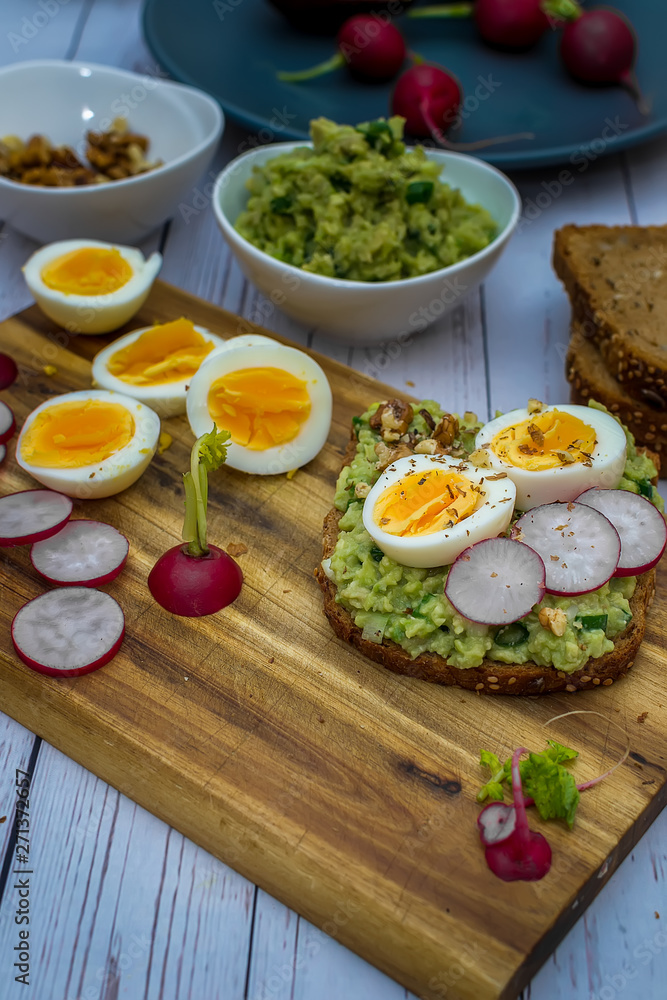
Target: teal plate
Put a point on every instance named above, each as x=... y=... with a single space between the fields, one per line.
x=233 y=48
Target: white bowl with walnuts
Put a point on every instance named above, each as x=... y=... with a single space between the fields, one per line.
x=119 y=187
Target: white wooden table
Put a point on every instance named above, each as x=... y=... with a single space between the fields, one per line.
x=122 y=906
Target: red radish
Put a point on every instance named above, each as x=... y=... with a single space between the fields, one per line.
x=496 y=581
x=69 y=631
x=371 y=46
x=513 y=851
x=7 y=423
x=83 y=553
x=8 y=371
x=32 y=515
x=197 y=579
x=512 y=24
x=641 y=527
x=579 y=546
x=599 y=46
x=429 y=98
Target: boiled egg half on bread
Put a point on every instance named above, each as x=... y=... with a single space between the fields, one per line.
x=274 y=400
x=424 y=510
x=88 y=286
x=88 y=444
x=156 y=364
x=554 y=452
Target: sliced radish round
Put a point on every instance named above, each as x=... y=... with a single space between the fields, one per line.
x=7 y=423
x=640 y=525
x=579 y=546
x=32 y=515
x=496 y=581
x=68 y=631
x=496 y=822
x=8 y=371
x=87 y=553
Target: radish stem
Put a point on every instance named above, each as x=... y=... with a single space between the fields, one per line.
x=296 y=76
x=208 y=453
x=443 y=10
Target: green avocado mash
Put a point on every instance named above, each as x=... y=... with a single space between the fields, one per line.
x=359 y=206
x=409 y=606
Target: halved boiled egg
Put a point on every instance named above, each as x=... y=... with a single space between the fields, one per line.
x=88 y=286
x=274 y=400
x=88 y=444
x=555 y=452
x=424 y=510
x=156 y=363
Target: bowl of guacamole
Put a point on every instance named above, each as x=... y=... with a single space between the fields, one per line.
x=360 y=236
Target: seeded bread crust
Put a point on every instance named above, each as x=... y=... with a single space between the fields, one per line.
x=491 y=677
x=590 y=379
x=616 y=278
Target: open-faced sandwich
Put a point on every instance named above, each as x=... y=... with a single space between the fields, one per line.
x=512 y=558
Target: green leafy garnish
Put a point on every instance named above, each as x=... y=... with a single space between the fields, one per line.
x=543 y=777
x=375 y=131
x=208 y=453
x=418 y=191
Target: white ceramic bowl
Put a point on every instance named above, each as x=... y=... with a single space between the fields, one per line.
x=63 y=101
x=360 y=311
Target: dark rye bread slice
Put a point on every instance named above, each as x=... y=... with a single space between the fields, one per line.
x=491 y=677
x=616 y=278
x=589 y=378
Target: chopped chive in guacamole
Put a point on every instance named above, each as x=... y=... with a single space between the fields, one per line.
x=359 y=206
x=420 y=619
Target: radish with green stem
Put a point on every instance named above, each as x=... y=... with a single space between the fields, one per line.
x=430 y=98
x=599 y=46
x=196 y=578
x=513 y=851
x=370 y=46
x=507 y=24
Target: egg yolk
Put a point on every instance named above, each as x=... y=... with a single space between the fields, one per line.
x=71 y=435
x=168 y=352
x=545 y=441
x=424 y=502
x=260 y=407
x=88 y=271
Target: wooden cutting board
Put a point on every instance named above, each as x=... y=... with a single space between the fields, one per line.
x=343 y=790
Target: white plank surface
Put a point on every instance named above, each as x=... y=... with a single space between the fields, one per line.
x=126 y=907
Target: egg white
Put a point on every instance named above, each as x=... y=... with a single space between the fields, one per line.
x=112 y=474
x=313 y=432
x=491 y=516
x=91 y=313
x=568 y=481
x=167 y=399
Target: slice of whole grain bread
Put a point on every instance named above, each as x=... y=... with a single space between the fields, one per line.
x=491 y=677
x=616 y=278
x=589 y=378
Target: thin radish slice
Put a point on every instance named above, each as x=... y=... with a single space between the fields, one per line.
x=69 y=631
x=580 y=547
x=8 y=371
x=641 y=527
x=496 y=581
x=496 y=822
x=7 y=423
x=32 y=515
x=84 y=553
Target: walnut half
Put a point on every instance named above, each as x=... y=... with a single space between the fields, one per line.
x=392 y=419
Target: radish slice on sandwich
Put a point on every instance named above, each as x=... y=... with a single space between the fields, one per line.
x=69 y=631
x=7 y=423
x=87 y=553
x=32 y=515
x=579 y=546
x=496 y=581
x=641 y=527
